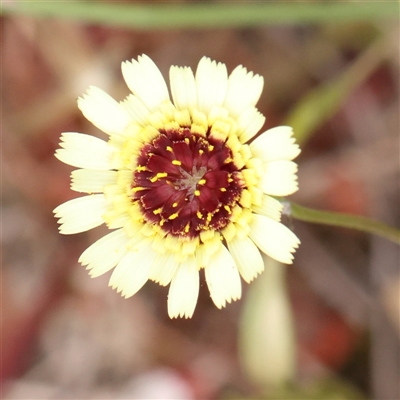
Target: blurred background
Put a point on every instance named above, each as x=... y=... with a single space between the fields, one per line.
x=326 y=327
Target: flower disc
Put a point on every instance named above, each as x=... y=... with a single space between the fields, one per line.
x=186 y=183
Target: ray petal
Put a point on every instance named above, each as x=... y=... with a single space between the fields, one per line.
x=223 y=279
x=273 y=238
x=244 y=90
x=133 y=271
x=103 y=111
x=184 y=290
x=275 y=144
x=92 y=181
x=145 y=81
x=105 y=253
x=183 y=87
x=211 y=83
x=81 y=214
x=280 y=178
x=247 y=257
x=85 y=151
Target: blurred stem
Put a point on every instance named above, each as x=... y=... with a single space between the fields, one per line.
x=322 y=102
x=206 y=15
x=345 y=221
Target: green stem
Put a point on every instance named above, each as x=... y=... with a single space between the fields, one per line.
x=206 y=15
x=346 y=221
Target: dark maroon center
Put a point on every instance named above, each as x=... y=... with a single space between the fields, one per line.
x=186 y=183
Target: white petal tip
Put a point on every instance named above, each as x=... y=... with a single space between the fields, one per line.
x=177 y=315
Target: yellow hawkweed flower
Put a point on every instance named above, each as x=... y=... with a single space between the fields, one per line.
x=181 y=183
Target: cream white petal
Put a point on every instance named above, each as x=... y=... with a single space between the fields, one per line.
x=92 y=181
x=81 y=214
x=105 y=253
x=247 y=257
x=223 y=279
x=163 y=269
x=244 y=90
x=183 y=87
x=184 y=290
x=145 y=81
x=103 y=111
x=211 y=84
x=85 y=151
x=137 y=110
x=132 y=272
x=275 y=144
x=269 y=207
x=273 y=238
x=250 y=122
x=280 y=178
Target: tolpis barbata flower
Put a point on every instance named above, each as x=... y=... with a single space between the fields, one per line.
x=180 y=182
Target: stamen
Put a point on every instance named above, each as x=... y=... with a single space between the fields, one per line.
x=137 y=189
x=228 y=160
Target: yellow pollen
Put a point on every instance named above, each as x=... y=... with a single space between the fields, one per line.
x=201 y=151
x=162 y=222
x=223 y=189
x=137 y=189
x=157 y=211
x=228 y=160
x=202 y=182
x=187 y=140
x=175 y=204
x=162 y=174
x=153 y=179
x=176 y=162
x=173 y=216
x=199 y=215
x=169 y=148
x=210 y=147
x=141 y=168
x=187 y=227
x=197 y=193
x=227 y=208
x=230 y=180
x=209 y=217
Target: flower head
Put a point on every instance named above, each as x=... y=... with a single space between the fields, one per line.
x=180 y=183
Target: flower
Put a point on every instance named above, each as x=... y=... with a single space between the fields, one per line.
x=180 y=183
